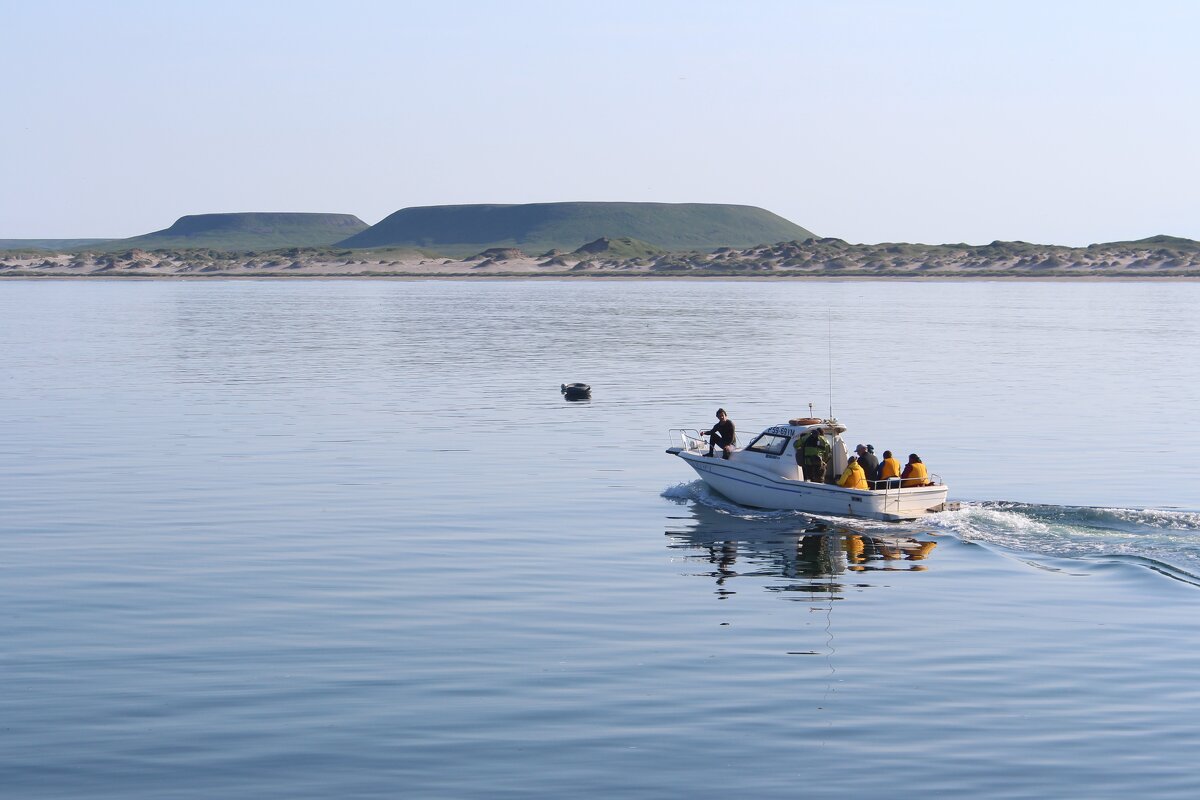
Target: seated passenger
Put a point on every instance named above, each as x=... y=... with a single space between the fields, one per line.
x=889 y=470
x=722 y=435
x=914 y=473
x=853 y=477
x=869 y=463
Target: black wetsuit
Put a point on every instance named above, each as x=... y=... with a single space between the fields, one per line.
x=722 y=433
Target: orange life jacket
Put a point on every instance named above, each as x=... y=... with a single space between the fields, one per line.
x=915 y=475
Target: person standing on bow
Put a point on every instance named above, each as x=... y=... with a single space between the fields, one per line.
x=721 y=435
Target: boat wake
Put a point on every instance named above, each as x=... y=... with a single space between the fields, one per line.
x=1164 y=540
x=1165 y=537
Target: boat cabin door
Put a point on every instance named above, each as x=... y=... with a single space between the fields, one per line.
x=840 y=457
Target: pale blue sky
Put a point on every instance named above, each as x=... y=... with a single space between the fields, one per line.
x=1063 y=122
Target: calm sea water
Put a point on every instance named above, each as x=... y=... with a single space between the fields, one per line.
x=345 y=539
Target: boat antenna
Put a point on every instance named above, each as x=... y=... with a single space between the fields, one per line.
x=829 y=344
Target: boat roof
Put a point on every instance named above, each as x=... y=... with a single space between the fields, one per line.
x=802 y=425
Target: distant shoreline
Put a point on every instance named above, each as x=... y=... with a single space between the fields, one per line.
x=1158 y=258
x=518 y=276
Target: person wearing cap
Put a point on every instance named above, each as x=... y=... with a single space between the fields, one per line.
x=889 y=470
x=721 y=435
x=853 y=477
x=914 y=473
x=869 y=464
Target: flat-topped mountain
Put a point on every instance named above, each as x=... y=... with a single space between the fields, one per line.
x=245 y=231
x=537 y=227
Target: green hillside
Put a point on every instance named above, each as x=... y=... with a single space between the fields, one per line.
x=537 y=227
x=50 y=245
x=246 y=231
x=1162 y=240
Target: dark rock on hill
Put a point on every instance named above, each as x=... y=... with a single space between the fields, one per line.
x=498 y=254
x=624 y=247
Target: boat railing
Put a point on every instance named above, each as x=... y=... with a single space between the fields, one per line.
x=688 y=438
x=892 y=485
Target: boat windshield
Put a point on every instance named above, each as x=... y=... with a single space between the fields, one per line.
x=769 y=443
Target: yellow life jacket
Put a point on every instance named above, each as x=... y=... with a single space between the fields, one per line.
x=853 y=477
x=890 y=468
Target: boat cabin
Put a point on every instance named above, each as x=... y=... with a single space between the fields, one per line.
x=773 y=451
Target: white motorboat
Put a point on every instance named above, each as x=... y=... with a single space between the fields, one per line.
x=764 y=474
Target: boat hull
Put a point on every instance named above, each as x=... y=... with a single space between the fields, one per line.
x=747 y=486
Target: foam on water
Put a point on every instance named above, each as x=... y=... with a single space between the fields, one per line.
x=1158 y=536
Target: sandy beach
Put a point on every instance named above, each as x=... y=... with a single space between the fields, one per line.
x=1158 y=257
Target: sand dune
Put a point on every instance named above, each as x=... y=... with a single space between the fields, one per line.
x=823 y=258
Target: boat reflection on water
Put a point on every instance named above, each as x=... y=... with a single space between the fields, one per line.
x=812 y=556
